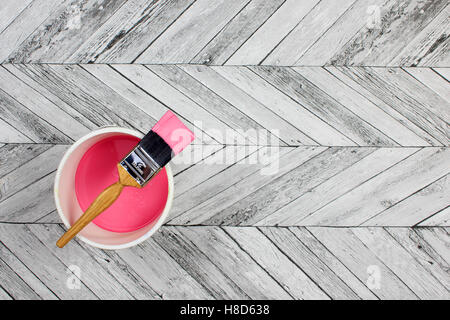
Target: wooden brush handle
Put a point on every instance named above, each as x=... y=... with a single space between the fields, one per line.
x=100 y=204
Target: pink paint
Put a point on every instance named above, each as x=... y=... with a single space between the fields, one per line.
x=135 y=208
x=174 y=132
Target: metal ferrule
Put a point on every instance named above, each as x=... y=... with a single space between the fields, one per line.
x=140 y=166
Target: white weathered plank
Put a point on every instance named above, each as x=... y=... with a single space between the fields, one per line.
x=306 y=32
x=9 y=10
x=31 y=203
x=93 y=275
x=41 y=261
x=315 y=128
x=323 y=106
x=396 y=258
x=415 y=208
x=360 y=105
x=28 y=123
x=333 y=263
x=198 y=265
x=384 y=190
x=26 y=23
x=9 y=134
x=63 y=32
x=439 y=240
x=178 y=102
x=441 y=218
x=345 y=27
x=268 y=256
x=272 y=32
x=235 y=120
x=251 y=183
x=306 y=204
x=28 y=173
x=252 y=108
x=13 y=156
x=363 y=263
x=17 y=288
x=443 y=72
x=235 y=263
x=217 y=184
x=237 y=31
x=269 y=197
x=41 y=106
x=364 y=89
x=166 y=277
x=303 y=257
x=421 y=50
x=432 y=80
x=191 y=32
x=412 y=243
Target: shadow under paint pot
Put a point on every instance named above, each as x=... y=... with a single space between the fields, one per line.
x=87 y=168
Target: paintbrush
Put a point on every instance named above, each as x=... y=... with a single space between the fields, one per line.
x=168 y=137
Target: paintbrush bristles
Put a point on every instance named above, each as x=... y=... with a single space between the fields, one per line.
x=156 y=148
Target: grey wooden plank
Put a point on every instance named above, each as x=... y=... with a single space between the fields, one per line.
x=319 y=103
x=303 y=257
x=119 y=269
x=4 y=295
x=42 y=107
x=41 y=261
x=38 y=82
x=29 y=172
x=432 y=80
x=339 y=33
x=272 y=32
x=364 y=89
x=64 y=31
x=268 y=256
x=134 y=27
x=438 y=239
x=237 y=31
x=93 y=275
x=412 y=243
x=361 y=105
x=415 y=208
x=31 y=203
x=16 y=287
x=177 y=101
x=361 y=261
x=441 y=218
x=28 y=123
x=209 y=208
x=26 y=23
x=220 y=108
x=384 y=190
x=198 y=265
x=395 y=257
x=10 y=10
x=197 y=195
x=376 y=46
x=235 y=263
x=269 y=197
x=293 y=213
x=191 y=32
x=422 y=95
x=268 y=119
x=12 y=156
x=443 y=72
x=384 y=88
x=315 y=128
x=49 y=218
x=26 y=274
x=332 y=262
x=191 y=155
x=306 y=32
x=425 y=48
x=166 y=277
x=79 y=90
x=11 y=135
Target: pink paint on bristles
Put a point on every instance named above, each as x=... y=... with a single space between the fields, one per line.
x=173 y=132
